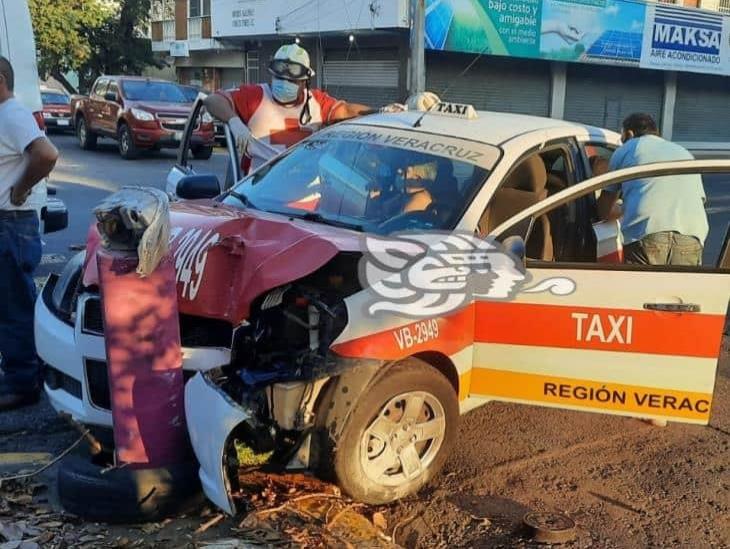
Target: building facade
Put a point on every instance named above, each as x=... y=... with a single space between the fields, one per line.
x=592 y=61
x=359 y=48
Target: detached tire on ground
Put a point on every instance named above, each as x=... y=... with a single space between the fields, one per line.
x=202 y=152
x=127 y=495
x=398 y=435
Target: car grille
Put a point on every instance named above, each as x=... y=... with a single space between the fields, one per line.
x=93 y=318
x=97 y=376
x=173 y=122
x=56 y=379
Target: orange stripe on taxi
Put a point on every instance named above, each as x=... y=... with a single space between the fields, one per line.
x=643 y=401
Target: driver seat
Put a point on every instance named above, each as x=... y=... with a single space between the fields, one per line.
x=524 y=187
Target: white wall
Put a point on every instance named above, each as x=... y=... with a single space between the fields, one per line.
x=287 y=17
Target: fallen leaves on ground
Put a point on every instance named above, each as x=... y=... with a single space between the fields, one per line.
x=294 y=509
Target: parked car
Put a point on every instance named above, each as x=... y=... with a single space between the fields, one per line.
x=220 y=136
x=290 y=355
x=56 y=109
x=18 y=45
x=140 y=114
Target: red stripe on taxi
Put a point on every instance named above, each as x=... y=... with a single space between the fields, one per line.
x=602 y=329
x=537 y=325
x=448 y=335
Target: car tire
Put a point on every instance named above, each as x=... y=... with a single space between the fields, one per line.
x=87 y=138
x=127 y=495
x=359 y=453
x=202 y=152
x=127 y=149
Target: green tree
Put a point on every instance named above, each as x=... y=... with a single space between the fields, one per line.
x=61 y=31
x=119 y=45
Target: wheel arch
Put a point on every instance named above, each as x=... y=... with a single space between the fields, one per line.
x=443 y=364
x=121 y=121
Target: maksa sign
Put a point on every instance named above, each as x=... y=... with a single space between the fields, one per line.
x=685 y=40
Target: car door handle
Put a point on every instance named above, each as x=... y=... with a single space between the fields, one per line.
x=673 y=307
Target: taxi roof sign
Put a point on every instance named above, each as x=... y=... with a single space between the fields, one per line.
x=455 y=110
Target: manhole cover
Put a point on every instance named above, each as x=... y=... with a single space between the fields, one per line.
x=550 y=527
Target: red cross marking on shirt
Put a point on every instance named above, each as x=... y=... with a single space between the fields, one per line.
x=291 y=135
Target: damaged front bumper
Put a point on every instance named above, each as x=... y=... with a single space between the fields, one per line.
x=281 y=419
x=212 y=416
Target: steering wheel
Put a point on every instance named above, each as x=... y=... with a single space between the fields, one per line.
x=423 y=220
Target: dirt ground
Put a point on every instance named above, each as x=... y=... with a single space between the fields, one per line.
x=625 y=483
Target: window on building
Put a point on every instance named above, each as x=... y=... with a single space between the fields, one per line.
x=724 y=6
x=199 y=8
x=163 y=10
x=252 y=67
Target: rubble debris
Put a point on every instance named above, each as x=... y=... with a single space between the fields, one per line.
x=209 y=524
x=300 y=510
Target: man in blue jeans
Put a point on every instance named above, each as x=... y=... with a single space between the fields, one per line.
x=664 y=220
x=26 y=157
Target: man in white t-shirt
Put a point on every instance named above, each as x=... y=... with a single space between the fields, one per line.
x=26 y=157
x=266 y=120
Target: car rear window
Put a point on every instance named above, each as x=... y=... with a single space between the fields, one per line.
x=52 y=98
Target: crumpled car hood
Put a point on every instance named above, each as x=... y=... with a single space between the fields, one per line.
x=226 y=257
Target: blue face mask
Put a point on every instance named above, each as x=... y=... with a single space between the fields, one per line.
x=284 y=91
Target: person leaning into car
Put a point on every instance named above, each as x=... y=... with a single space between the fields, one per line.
x=266 y=120
x=664 y=222
x=26 y=157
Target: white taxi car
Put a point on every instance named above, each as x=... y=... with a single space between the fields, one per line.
x=297 y=356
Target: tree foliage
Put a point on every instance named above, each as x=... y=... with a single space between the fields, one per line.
x=61 y=32
x=120 y=45
x=91 y=37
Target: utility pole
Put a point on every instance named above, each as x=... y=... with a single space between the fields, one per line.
x=417 y=80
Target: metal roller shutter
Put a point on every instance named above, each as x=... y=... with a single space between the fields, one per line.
x=492 y=83
x=231 y=78
x=604 y=96
x=701 y=110
x=370 y=77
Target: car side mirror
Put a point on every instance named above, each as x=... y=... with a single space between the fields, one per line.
x=110 y=96
x=515 y=245
x=193 y=187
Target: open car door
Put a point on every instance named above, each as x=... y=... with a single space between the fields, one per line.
x=184 y=166
x=630 y=340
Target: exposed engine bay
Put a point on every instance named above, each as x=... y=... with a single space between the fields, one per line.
x=281 y=360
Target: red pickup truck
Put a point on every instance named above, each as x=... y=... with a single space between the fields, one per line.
x=140 y=113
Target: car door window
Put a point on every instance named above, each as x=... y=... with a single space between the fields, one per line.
x=717 y=209
x=534 y=178
x=100 y=88
x=113 y=88
x=631 y=340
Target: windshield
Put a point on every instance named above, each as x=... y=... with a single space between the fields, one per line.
x=365 y=186
x=141 y=90
x=190 y=92
x=51 y=98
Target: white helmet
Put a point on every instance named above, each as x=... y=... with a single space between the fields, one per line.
x=291 y=62
x=424 y=101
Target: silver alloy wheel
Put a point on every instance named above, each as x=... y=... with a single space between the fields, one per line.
x=403 y=440
x=123 y=141
x=82 y=132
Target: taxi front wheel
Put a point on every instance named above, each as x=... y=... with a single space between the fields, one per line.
x=398 y=435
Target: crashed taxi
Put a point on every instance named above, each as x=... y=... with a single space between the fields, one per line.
x=344 y=304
